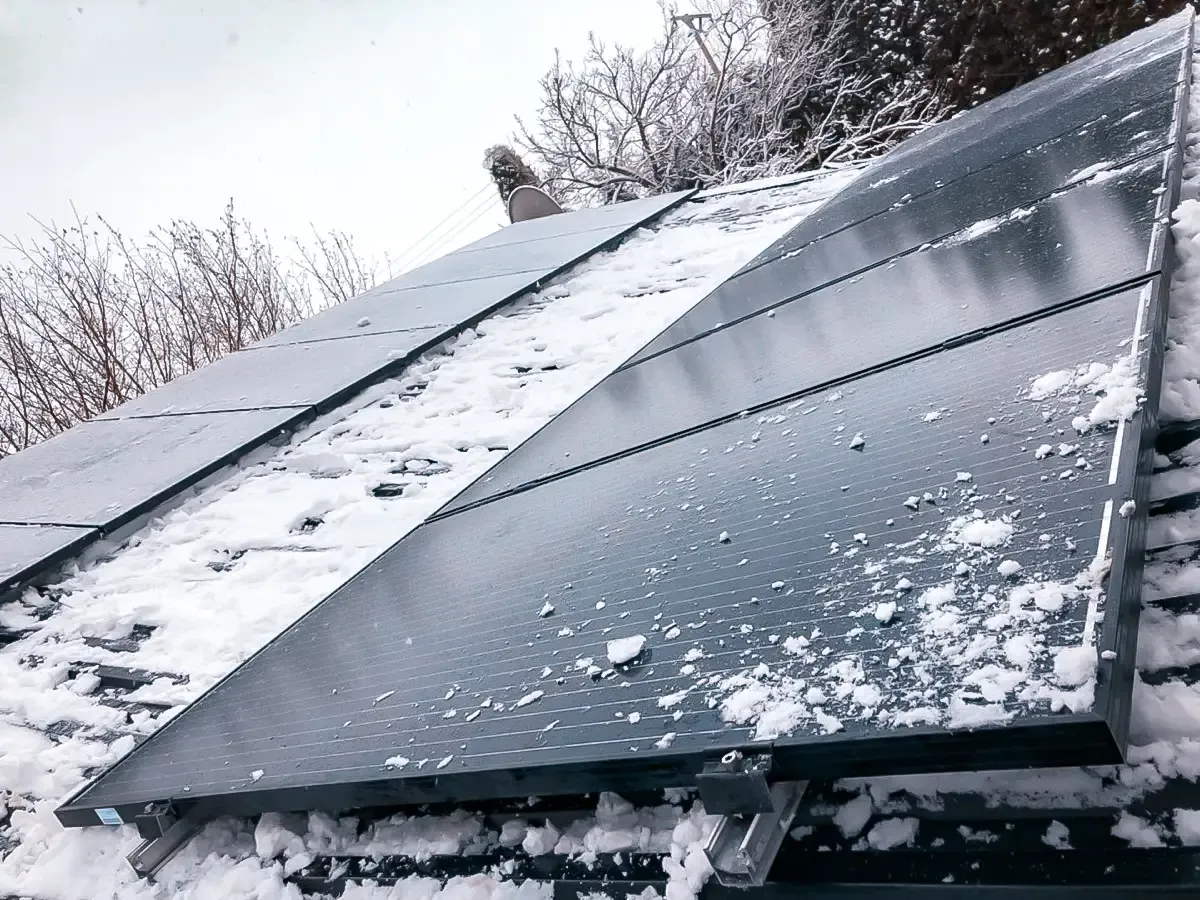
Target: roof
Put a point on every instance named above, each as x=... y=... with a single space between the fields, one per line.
x=212 y=577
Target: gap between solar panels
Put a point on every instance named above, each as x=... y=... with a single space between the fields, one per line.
x=934 y=568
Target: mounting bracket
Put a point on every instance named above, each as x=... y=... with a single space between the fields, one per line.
x=736 y=785
x=163 y=833
x=742 y=848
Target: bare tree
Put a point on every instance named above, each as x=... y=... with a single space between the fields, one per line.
x=336 y=268
x=89 y=319
x=783 y=97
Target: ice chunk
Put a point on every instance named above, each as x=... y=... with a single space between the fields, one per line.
x=626 y=649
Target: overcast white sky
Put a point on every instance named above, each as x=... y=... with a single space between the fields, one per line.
x=366 y=115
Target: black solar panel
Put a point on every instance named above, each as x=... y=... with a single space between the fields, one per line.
x=718 y=549
x=390 y=308
x=917 y=549
x=111 y=470
x=1056 y=252
x=26 y=548
x=1119 y=77
x=1120 y=139
x=472 y=282
x=312 y=374
x=104 y=473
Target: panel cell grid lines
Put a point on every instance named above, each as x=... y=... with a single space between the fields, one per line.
x=894 y=527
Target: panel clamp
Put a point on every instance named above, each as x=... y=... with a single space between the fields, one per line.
x=755 y=816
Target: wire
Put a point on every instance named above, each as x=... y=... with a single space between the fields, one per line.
x=477 y=212
x=430 y=233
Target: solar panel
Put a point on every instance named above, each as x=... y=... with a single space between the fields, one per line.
x=107 y=472
x=755 y=560
x=24 y=549
x=313 y=374
x=615 y=216
x=1118 y=140
x=467 y=285
x=541 y=256
x=1061 y=250
x=890 y=528
x=389 y=308
x=104 y=473
x=1119 y=77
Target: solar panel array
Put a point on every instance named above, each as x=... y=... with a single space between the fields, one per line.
x=101 y=475
x=853 y=524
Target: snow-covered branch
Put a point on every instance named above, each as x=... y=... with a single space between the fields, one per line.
x=783 y=98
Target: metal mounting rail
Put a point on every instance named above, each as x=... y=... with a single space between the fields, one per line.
x=742 y=849
x=163 y=835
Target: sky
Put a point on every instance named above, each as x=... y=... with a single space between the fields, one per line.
x=368 y=116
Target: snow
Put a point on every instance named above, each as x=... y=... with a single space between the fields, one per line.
x=892 y=833
x=980 y=532
x=626 y=649
x=1057 y=836
x=531 y=697
x=852 y=817
x=1008 y=568
x=885 y=611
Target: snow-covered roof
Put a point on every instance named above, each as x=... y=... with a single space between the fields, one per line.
x=217 y=574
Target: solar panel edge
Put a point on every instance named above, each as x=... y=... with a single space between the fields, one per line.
x=1119 y=636
x=12 y=584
